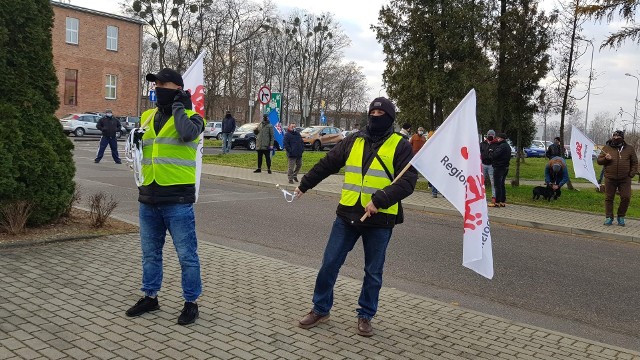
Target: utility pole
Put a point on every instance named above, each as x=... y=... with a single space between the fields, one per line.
x=635 y=104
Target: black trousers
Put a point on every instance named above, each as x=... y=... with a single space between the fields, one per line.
x=112 y=142
x=499 y=177
x=267 y=154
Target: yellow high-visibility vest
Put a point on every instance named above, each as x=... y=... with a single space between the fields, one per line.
x=357 y=186
x=166 y=159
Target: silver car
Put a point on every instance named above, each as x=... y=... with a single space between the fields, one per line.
x=212 y=130
x=80 y=124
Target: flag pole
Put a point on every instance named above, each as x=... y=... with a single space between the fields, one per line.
x=366 y=214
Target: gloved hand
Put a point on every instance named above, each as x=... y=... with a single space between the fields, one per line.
x=182 y=96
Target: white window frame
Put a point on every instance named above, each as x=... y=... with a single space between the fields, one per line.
x=72 y=29
x=112 y=39
x=111 y=85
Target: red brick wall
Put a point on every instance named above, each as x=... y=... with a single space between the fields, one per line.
x=93 y=62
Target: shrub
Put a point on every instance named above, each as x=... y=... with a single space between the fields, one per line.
x=36 y=163
x=14 y=216
x=101 y=208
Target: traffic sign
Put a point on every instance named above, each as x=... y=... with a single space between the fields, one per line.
x=264 y=95
x=152 y=95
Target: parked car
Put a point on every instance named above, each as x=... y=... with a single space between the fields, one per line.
x=80 y=124
x=244 y=136
x=129 y=122
x=212 y=130
x=534 y=151
x=317 y=137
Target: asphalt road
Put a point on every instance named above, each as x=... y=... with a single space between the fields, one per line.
x=572 y=284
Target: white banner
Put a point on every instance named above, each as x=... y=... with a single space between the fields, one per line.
x=581 y=154
x=194 y=82
x=450 y=160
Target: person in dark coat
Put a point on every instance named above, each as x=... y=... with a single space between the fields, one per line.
x=554 y=150
x=228 y=127
x=500 y=158
x=264 y=143
x=109 y=126
x=487 y=167
x=372 y=158
x=620 y=166
x=294 y=147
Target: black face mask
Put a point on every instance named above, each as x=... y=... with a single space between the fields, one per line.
x=378 y=125
x=165 y=96
x=617 y=141
x=489 y=138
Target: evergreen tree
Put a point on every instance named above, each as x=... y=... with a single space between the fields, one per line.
x=434 y=56
x=36 y=163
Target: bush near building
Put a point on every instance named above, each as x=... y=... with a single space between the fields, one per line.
x=36 y=163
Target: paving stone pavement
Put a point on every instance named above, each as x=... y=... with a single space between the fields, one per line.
x=67 y=301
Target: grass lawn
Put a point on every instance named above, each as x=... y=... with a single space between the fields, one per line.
x=586 y=199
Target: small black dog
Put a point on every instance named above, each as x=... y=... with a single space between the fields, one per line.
x=546 y=192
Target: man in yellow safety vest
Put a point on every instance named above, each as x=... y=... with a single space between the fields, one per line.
x=372 y=159
x=168 y=192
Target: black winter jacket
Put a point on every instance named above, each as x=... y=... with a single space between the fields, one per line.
x=485 y=154
x=336 y=158
x=501 y=155
x=293 y=144
x=228 y=124
x=189 y=128
x=109 y=125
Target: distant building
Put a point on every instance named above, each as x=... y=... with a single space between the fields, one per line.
x=97 y=58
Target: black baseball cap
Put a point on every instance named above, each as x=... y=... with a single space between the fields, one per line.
x=166 y=75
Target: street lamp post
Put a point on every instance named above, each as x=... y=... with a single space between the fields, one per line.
x=635 y=104
x=586 y=116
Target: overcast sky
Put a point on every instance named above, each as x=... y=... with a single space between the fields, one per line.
x=609 y=91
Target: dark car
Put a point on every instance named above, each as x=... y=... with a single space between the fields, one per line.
x=534 y=151
x=244 y=136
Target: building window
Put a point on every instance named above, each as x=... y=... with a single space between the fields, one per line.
x=70 y=87
x=110 y=86
x=112 y=38
x=237 y=109
x=72 y=30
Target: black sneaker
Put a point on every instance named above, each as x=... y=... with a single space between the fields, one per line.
x=257 y=170
x=269 y=171
x=189 y=313
x=295 y=179
x=96 y=161
x=143 y=305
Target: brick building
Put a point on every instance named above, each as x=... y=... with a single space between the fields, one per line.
x=97 y=58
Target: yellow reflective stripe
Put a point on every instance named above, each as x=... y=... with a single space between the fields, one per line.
x=174 y=141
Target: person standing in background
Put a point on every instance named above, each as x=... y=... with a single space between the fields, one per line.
x=109 y=126
x=228 y=127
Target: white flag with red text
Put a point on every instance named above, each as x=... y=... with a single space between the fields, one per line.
x=194 y=82
x=450 y=160
x=581 y=153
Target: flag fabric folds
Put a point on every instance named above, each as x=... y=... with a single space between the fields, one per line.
x=194 y=83
x=581 y=153
x=450 y=160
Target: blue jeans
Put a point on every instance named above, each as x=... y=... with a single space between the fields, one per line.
x=226 y=142
x=487 y=171
x=113 y=144
x=342 y=239
x=179 y=219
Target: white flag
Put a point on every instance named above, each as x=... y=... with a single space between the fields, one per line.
x=194 y=82
x=450 y=160
x=581 y=153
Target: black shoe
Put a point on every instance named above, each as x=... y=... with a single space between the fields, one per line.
x=189 y=314
x=118 y=162
x=295 y=179
x=257 y=170
x=143 y=305
x=269 y=171
x=290 y=181
x=96 y=161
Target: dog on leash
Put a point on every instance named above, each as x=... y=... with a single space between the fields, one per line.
x=546 y=192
